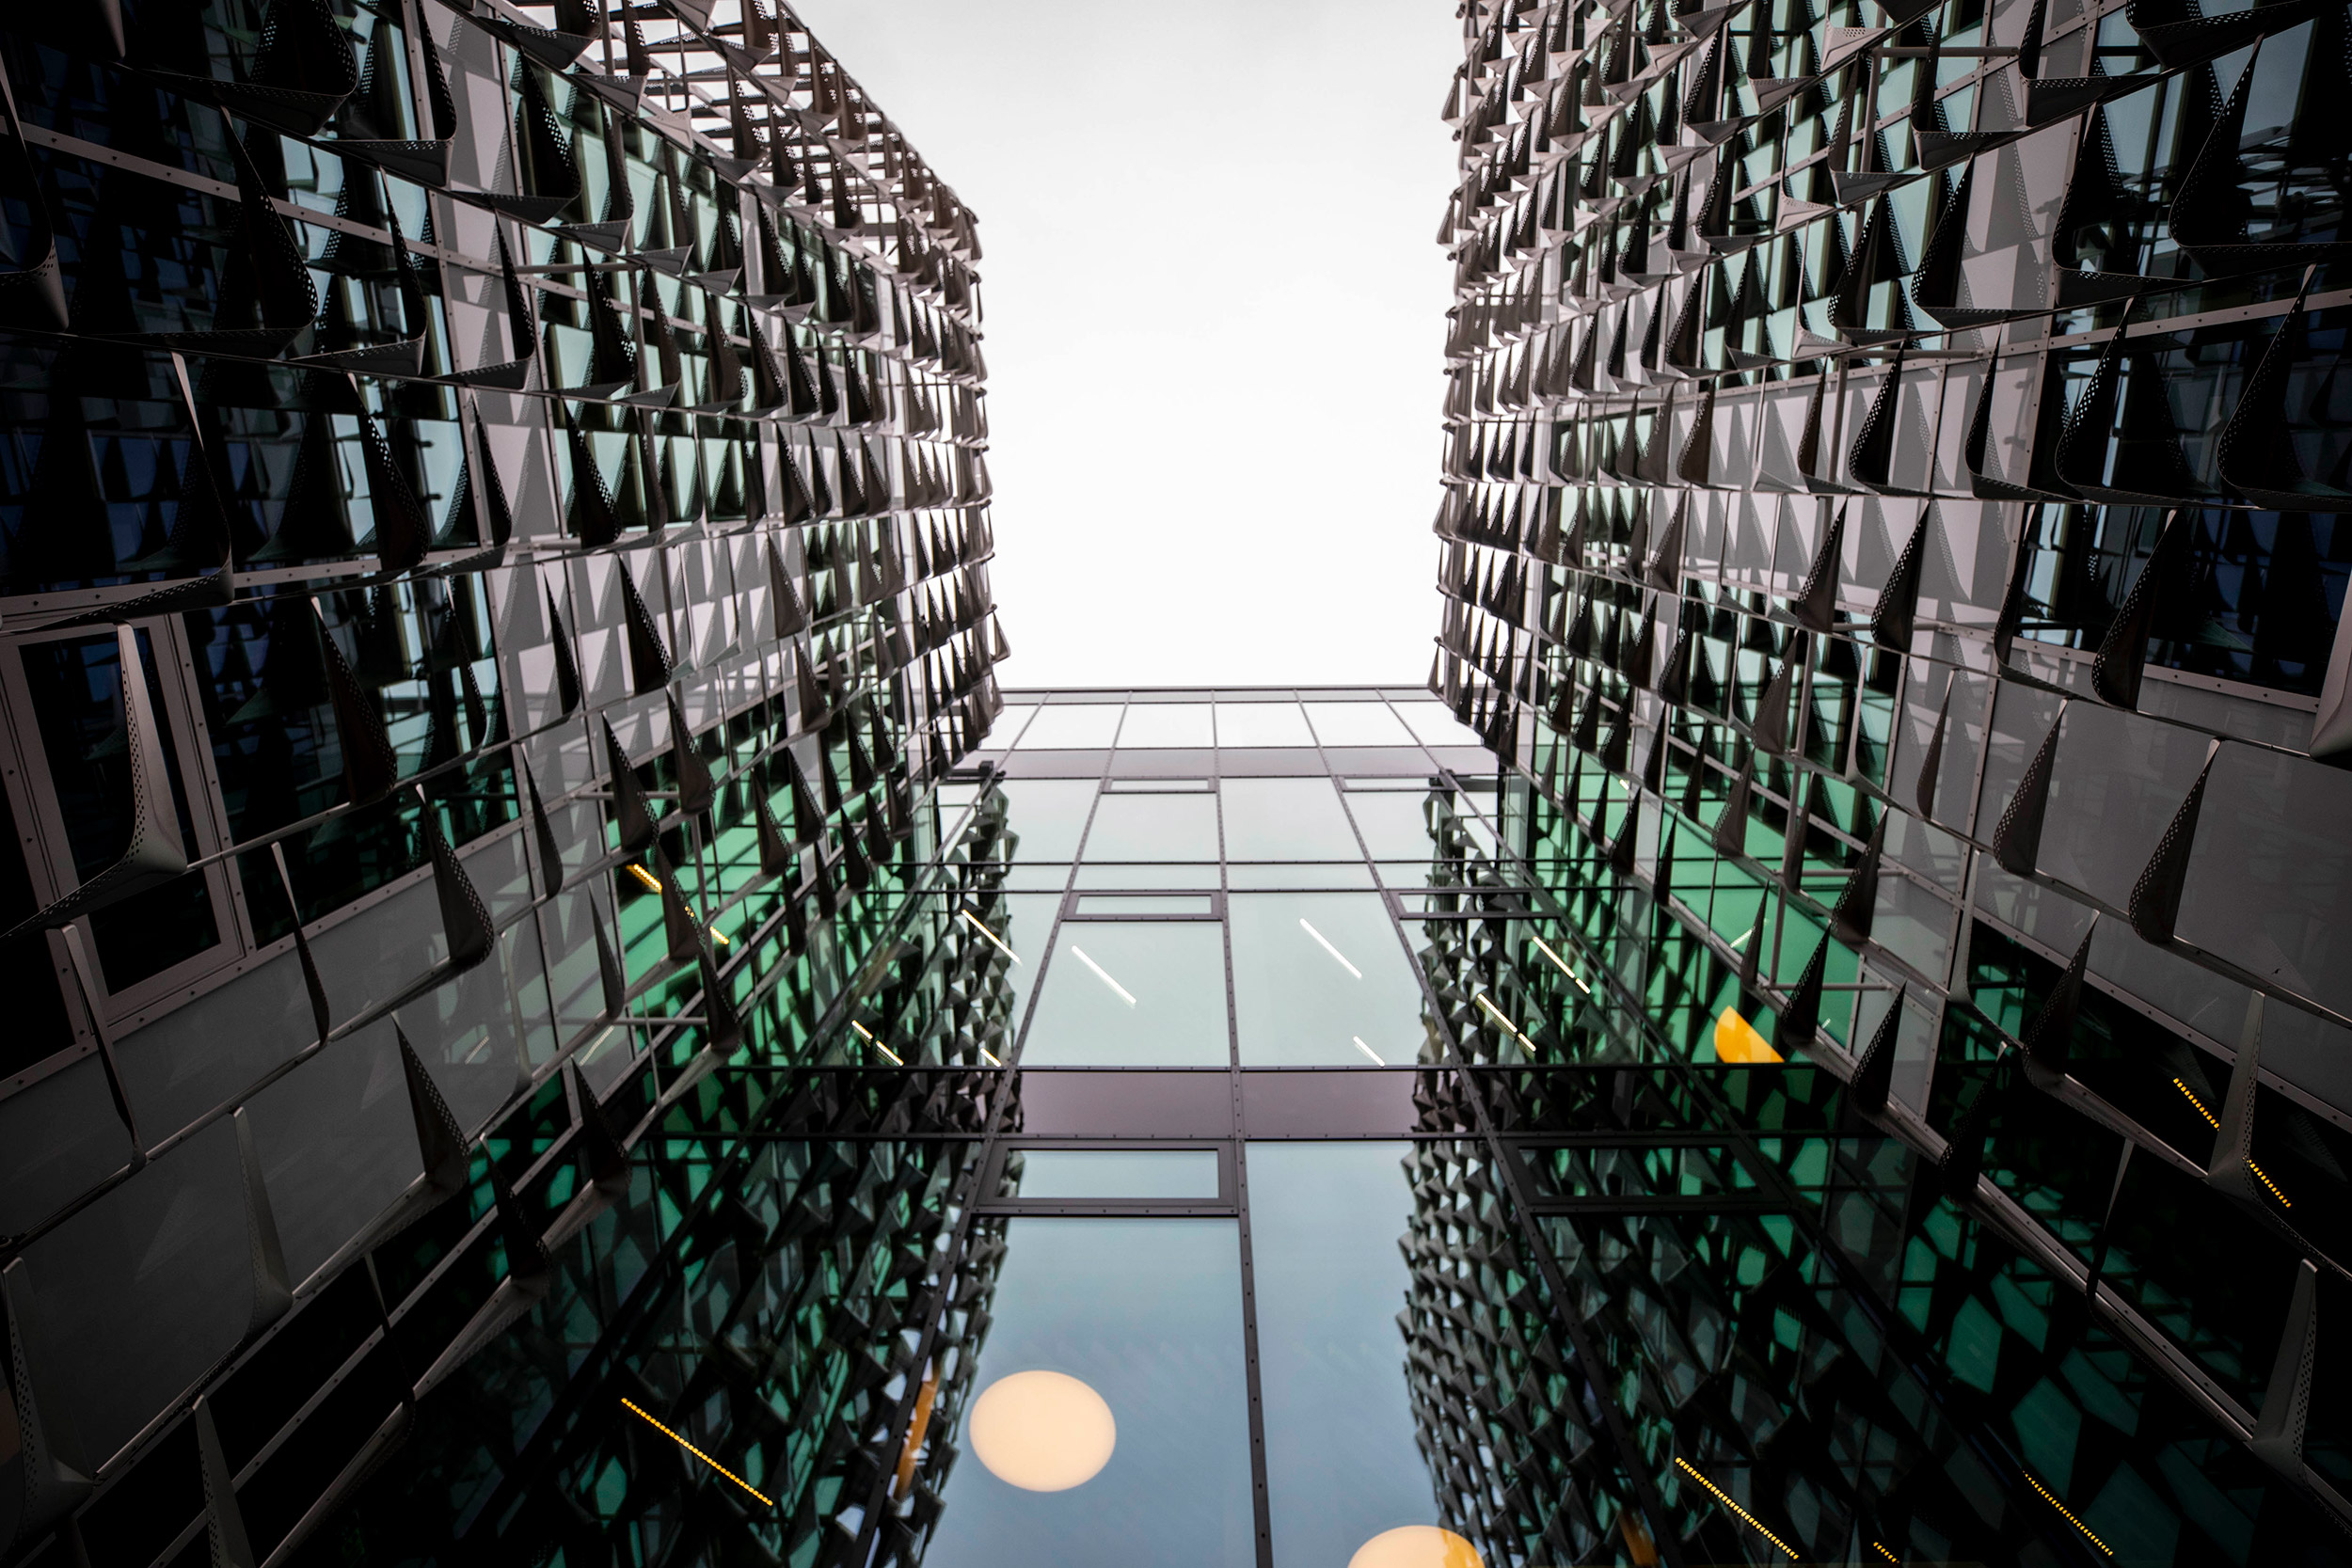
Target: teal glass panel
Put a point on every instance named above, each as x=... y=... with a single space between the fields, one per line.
x=1168 y=725
x=1341 y=1465
x=1357 y=724
x=1320 y=981
x=1262 y=724
x=1394 y=822
x=1048 y=816
x=1153 y=827
x=1146 y=1314
x=1119 y=1173
x=1286 y=819
x=1132 y=993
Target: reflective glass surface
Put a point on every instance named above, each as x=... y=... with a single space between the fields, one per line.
x=1071 y=725
x=1262 y=724
x=1153 y=827
x=1357 y=724
x=1152 y=725
x=1394 y=822
x=1132 y=993
x=1145 y=1314
x=1341 y=1465
x=1116 y=1173
x=1319 y=980
x=1047 y=817
x=1434 y=725
x=1286 y=819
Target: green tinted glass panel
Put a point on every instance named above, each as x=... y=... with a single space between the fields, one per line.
x=1132 y=993
x=1319 y=979
x=1153 y=827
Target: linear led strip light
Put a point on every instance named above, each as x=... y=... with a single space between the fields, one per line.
x=1504 y=1018
x=1724 y=1498
x=978 y=925
x=631 y=1406
x=1545 y=948
x=653 y=885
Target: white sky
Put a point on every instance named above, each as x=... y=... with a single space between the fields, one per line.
x=1215 y=317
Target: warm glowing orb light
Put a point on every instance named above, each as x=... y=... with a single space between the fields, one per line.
x=1046 y=1432
x=1416 y=1546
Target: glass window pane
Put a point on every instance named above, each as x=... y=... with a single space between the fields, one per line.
x=1119 y=1173
x=1286 y=819
x=1073 y=725
x=1434 y=725
x=1137 y=993
x=1047 y=817
x=1320 y=981
x=1395 y=823
x=1008 y=727
x=1146 y=1315
x=1357 y=724
x=1313 y=874
x=1147 y=903
x=1110 y=874
x=1153 y=827
x=1341 y=1465
x=1262 y=724
x=1168 y=725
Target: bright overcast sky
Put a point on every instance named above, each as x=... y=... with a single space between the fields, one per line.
x=1215 y=319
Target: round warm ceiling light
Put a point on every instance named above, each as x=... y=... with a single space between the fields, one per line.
x=1045 y=1432
x=1416 y=1546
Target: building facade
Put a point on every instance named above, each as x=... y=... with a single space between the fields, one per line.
x=1893 y=538
x=534 y=459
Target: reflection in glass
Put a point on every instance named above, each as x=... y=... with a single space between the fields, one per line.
x=1342 y=1467
x=1434 y=725
x=1153 y=827
x=1042 y=1432
x=1319 y=979
x=1132 y=993
x=1286 y=819
x=1262 y=724
x=1115 y=1173
x=1147 y=1314
x=1394 y=822
x=1046 y=816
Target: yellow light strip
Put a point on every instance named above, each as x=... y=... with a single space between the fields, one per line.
x=720 y=937
x=1722 y=1497
x=990 y=1057
x=2269 y=1183
x=2283 y=1200
x=1503 y=1018
x=2070 y=1517
x=690 y=1448
x=989 y=935
x=1880 y=1547
x=1545 y=948
x=645 y=876
x=875 y=1043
